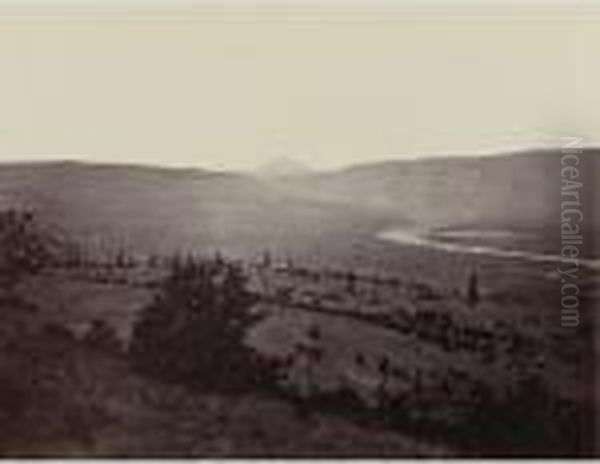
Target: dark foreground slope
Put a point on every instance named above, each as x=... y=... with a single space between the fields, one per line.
x=64 y=398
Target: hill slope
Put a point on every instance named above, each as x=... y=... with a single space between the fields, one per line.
x=153 y=209
x=519 y=189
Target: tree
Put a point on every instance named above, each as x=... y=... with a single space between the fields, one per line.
x=153 y=261
x=311 y=355
x=266 y=260
x=359 y=359
x=351 y=280
x=384 y=378
x=195 y=329
x=23 y=248
x=473 y=295
x=101 y=335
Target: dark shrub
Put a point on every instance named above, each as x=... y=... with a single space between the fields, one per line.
x=101 y=335
x=56 y=331
x=23 y=248
x=194 y=331
x=473 y=295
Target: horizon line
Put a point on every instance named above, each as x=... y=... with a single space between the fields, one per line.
x=70 y=159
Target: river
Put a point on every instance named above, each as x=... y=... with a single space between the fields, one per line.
x=421 y=238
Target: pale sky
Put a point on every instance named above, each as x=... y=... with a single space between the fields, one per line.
x=235 y=87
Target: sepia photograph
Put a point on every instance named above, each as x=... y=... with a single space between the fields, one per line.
x=299 y=229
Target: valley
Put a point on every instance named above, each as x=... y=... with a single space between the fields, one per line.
x=425 y=327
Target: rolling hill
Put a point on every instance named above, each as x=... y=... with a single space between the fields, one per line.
x=164 y=210
x=156 y=209
x=518 y=188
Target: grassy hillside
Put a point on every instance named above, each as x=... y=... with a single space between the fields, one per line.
x=520 y=190
x=161 y=210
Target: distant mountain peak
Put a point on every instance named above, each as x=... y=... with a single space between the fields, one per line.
x=283 y=167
